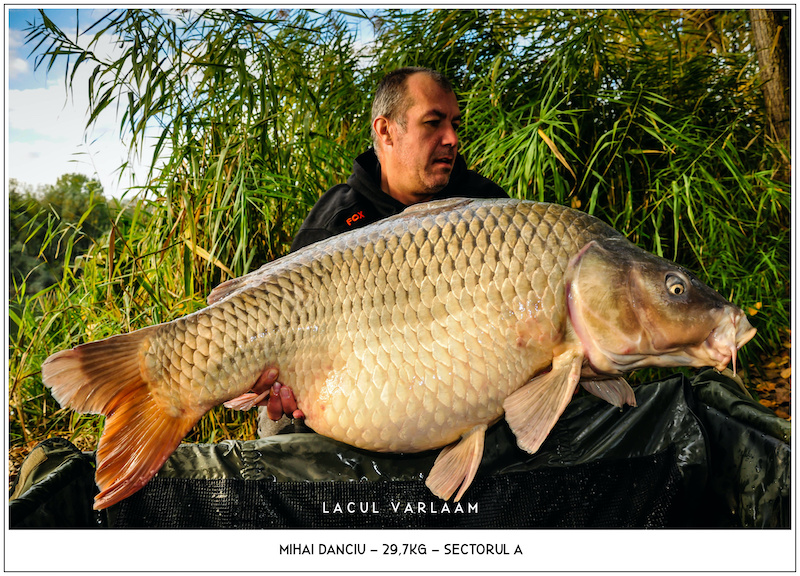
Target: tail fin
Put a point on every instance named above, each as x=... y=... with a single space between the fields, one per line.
x=105 y=377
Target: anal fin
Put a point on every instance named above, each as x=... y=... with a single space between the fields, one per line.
x=615 y=391
x=457 y=464
x=533 y=410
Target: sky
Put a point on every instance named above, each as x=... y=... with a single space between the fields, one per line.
x=46 y=132
x=46 y=126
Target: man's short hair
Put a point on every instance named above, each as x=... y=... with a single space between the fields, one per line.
x=391 y=97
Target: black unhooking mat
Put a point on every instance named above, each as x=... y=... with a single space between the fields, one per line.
x=696 y=453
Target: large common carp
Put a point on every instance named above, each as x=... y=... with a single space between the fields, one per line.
x=413 y=333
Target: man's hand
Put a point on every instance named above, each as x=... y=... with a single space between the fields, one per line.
x=281 y=398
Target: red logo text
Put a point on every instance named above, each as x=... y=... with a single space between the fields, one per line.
x=355 y=218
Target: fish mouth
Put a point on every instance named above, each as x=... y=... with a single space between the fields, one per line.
x=718 y=350
x=725 y=340
x=721 y=346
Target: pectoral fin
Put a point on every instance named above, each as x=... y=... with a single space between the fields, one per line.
x=615 y=391
x=246 y=401
x=533 y=410
x=456 y=465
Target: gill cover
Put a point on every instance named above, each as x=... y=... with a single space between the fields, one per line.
x=630 y=309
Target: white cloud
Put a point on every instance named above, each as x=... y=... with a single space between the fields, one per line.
x=18 y=63
x=17 y=66
x=45 y=111
x=16 y=39
x=48 y=136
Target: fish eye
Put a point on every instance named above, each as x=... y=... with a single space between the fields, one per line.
x=676 y=285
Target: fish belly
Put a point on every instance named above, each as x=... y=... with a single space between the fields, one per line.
x=413 y=402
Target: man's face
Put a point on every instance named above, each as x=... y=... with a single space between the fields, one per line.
x=419 y=160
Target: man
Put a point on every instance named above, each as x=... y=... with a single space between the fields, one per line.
x=415 y=122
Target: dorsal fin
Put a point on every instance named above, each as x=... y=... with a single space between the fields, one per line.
x=223 y=290
x=423 y=208
x=230 y=286
x=436 y=206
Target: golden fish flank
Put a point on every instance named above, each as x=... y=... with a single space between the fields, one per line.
x=413 y=333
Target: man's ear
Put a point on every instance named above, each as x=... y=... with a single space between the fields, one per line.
x=381 y=126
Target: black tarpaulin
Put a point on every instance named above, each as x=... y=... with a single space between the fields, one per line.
x=693 y=453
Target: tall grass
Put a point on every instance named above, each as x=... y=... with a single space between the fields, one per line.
x=633 y=116
x=625 y=114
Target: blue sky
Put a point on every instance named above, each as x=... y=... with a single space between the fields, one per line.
x=46 y=127
x=46 y=134
x=22 y=77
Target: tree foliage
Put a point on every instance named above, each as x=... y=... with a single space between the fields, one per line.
x=653 y=120
x=49 y=228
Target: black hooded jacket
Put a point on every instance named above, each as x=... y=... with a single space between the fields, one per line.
x=361 y=201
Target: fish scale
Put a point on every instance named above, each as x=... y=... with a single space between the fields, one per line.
x=427 y=256
x=409 y=334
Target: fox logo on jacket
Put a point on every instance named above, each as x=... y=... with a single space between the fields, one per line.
x=355 y=217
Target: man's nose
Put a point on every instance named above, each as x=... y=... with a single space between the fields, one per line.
x=450 y=136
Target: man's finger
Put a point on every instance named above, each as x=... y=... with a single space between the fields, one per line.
x=290 y=403
x=265 y=380
x=287 y=400
x=274 y=406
